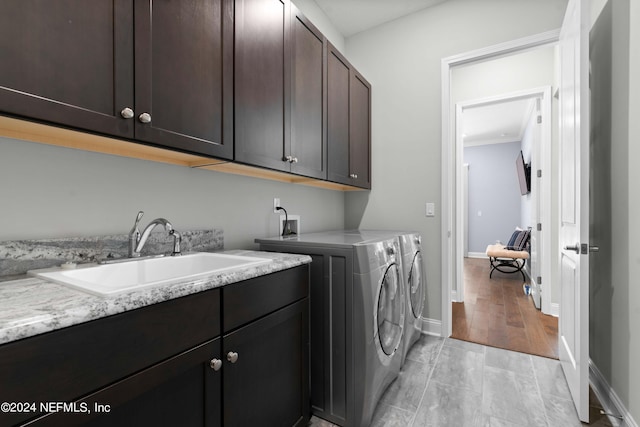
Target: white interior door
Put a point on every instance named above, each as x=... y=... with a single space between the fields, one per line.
x=574 y=203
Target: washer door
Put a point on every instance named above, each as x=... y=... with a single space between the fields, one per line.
x=390 y=314
x=416 y=286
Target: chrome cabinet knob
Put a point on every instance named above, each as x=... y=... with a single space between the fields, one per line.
x=127 y=113
x=354 y=175
x=215 y=364
x=594 y=249
x=232 y=357
x=290 y=159
x=145 y=118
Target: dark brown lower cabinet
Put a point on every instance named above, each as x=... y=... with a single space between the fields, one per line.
x=171 y=363
x=277 y=343
x=182 y=391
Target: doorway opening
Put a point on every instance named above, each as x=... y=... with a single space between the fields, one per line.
x=540 y=271
x=488 y=306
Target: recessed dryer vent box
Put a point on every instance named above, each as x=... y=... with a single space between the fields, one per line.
x=293 y=225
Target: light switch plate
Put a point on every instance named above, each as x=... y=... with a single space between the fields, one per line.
x=430 y=209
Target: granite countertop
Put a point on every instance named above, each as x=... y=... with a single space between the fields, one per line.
x=33 y=306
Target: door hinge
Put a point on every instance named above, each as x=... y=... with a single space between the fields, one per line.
x=539 y=227
x=539 y=280
x=539 y=119
x=539 y=173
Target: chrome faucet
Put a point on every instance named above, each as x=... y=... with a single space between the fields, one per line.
x=137 y=240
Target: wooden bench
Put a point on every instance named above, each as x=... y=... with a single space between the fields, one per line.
x=505 y=260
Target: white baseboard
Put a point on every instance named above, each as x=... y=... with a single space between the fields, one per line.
x=477 y=255
x=432 y=327
x=609 y=398
x=454 y=295
x=555 y=309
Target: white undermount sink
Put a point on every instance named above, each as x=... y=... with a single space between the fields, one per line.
x=111 y=279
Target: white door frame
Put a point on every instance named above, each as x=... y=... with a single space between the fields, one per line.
x=540 y=152
x=451 y=166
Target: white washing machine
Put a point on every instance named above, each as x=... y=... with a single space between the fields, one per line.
x=379 y=310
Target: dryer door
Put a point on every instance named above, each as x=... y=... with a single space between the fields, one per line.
x=416 y=286
x=390 y=313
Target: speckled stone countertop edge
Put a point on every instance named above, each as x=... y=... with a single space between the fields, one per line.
x=32 y=306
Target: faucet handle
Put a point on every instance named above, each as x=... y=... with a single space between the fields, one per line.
x=135 y=224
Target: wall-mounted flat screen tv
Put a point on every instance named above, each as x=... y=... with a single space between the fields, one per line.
x=524 y=174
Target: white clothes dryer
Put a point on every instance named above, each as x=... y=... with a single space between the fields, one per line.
x=415 y=286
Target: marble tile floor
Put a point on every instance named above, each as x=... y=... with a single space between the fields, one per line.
x=448 y=382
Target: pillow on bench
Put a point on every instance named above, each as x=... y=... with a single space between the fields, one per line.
x=520 y=241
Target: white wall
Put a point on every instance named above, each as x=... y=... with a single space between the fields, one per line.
x=60 y=192
x=402 y=60
x=526 y=70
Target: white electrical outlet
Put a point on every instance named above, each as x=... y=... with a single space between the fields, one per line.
x=276 y=204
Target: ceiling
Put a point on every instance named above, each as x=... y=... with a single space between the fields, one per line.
x=353 y=16
x=496 y=123
x=489 y=124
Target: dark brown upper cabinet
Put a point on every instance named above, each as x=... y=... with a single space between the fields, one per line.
x=184 y=75
x=279 y=89
x=69 y=64
x=307 y=147
x=262 y=80
x=348 y=122
x=73 y=64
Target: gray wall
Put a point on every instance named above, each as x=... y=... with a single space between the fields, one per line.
x=402 y=61
x=59 y=192
x=494 y=194
x=615 y=202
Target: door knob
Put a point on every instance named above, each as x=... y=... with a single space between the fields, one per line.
x=145 y=118
x=575 y=248
x=232 y=357
x=215 y=364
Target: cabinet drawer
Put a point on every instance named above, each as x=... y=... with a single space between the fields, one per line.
x=249 y=300
x=63 y=365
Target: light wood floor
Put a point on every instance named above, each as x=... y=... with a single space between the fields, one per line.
x=496 y=312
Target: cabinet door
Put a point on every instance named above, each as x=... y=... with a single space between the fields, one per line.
x=348 y=123
x=337 y=116
x=182 y=391
x=262 y=82
x=359 y=131
x=268 y=384
x=184 y=75
x=308 y=106
x=68 y=64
